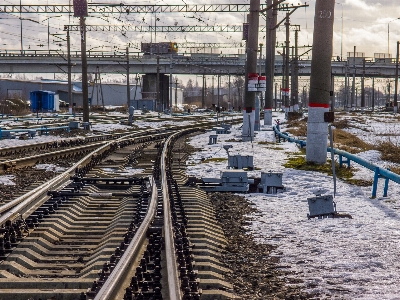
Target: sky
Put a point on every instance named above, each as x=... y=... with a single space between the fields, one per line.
x=360 y=23
x=339 y=258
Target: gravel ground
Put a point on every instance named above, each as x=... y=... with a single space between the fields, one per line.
x=24 y=178
x=255 y=274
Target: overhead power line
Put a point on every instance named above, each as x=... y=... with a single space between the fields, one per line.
x=210 y=45
x=187 y=28
x=96 y=8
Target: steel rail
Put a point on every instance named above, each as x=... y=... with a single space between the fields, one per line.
x=84 y=140
x=172 y=270
x=13 y=208
x=31 y=160
x=112 y=284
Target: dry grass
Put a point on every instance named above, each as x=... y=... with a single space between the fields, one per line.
x=395 y=169
x=349 y=142
x=341 y=124
x=389 y=151
x=266 y=143
x=215 y=160
x=292 y=116
x=297 y=127
x=299 y=163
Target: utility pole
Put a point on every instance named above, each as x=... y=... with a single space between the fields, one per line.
x=346 y=87
x=203 y=91
x=362 y=87
x=251 y=68
x=288 y=106
x=176 y=92
x=373 y=93
x=239 y=98
x=379 y=96
x=212 y=89
x=81 y=11
x=85 y=95
x=20 y=20
x=271 y=25
x=260 y=72
x=320 y=82
x=283 y=85
x=94 y=86
x=229 y=90
x=356 y=96
x=158 y=85
x=218 y=90
x=332 y=92
x=101 y=90
x=128 y=87
x=170 y=85
x=396 y=80
x=70 y=104
x=295 y=71
x=353 y=87
x=271 y=20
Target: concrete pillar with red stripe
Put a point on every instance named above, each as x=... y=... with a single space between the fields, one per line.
x=320 y=82
x=271 y=20
x=251 y=70
x=249 y=113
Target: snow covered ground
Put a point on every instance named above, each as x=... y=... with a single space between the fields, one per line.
x=376 y=127
x=339 y=258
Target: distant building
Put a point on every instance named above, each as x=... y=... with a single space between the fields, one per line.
x=21 y=89
x=114 y=94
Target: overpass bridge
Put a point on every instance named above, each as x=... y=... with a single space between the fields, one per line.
x=198 y=64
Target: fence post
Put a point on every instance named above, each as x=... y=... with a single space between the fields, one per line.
x=385 y=189
x=375 y=184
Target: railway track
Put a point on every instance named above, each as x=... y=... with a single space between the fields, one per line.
x=31 y=154
x=95 y=232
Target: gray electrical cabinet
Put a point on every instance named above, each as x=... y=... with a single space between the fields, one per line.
x=321 y=206
x=230 y=181
x=240 y=162
x=271 y=182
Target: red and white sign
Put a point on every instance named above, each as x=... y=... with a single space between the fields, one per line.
x=252 y=82
x=285 y=92
x=262 y=83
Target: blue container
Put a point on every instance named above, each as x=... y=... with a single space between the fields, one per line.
x=42 y=101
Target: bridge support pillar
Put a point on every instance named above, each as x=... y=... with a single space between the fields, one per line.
x=149 y=91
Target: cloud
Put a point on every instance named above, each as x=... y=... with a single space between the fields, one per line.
x=361 y=5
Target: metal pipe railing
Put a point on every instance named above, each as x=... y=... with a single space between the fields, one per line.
x=379 y=172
